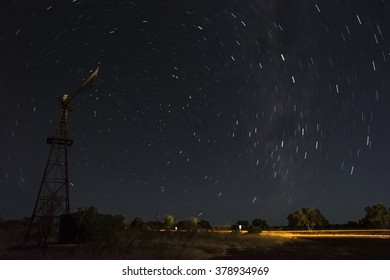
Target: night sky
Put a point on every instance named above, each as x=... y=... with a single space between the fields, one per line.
x=220 y=110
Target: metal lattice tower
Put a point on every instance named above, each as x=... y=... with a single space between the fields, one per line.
x=53 y=196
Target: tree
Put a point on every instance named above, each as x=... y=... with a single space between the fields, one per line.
x=259 y=223
x=188 y=225
x=119 y=222
x=307 y=217
x=86 y=219
x=80 y=226
x=119 y=226
x=377 y=215
x=137 y=223
x=205 y=225
x=88 y=225
x=257 y=226
x=169 y=222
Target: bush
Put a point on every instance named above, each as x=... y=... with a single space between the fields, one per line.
x=254 y=229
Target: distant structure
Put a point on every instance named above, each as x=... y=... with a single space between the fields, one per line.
x=53 y=196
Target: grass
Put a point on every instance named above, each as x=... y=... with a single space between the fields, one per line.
x=139 y=245
x=208 y=245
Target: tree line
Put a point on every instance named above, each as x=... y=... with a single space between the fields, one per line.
x=376 y=217
x=87 y=223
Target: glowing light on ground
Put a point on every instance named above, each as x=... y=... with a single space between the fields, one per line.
x=329 y=233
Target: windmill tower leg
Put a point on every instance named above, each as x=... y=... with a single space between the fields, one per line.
x=53 y=196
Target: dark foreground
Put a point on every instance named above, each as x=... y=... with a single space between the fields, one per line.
x=208 y=245
x=317 y=249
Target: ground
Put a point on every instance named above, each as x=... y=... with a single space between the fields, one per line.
x=212 y=245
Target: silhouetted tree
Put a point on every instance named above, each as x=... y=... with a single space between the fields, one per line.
x=377 y=215
x=86 y=220
x=188 y=225
x=203 y=224
x=119 y=226
x=137 y=223
x=169 y=222
x=307 y=217
x=254 y=229
x=260 y=223
x=88 y=225
x=257 y=226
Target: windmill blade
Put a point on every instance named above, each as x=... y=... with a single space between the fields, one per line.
x=86 y=85
x=88 y=82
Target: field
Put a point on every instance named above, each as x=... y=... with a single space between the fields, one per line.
x=304 y=245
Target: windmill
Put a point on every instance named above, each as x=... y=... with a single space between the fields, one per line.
x=53 y=195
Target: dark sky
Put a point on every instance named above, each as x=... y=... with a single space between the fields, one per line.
x=221 y=110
